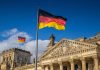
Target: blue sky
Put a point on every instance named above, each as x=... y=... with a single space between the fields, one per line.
x=19 y=17
x=83 y=17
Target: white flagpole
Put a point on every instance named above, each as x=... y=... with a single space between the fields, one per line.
x=36 y=50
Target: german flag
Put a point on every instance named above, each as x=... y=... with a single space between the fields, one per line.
x=21 y=39
x=48 y=20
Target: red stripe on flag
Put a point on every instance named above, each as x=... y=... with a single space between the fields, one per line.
x=46 y=20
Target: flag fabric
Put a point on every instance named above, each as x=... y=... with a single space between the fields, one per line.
x=46 y=19
x=21 y=39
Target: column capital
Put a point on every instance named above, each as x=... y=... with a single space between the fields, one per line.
x=42 y=66
x=51 y=64
x=82 y=58
x=71 y=60
x=95 y=57
x=60 y=62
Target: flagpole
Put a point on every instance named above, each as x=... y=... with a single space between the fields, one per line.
x=36 y=50
x=17 y=43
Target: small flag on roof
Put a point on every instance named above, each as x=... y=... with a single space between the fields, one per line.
x=21 y=39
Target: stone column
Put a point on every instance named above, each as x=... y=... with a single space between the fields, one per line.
x=68 y=67
x=46 y=68
x=61 y=65
x=79 y=66
x=43 y=67
x=96 y=64
x=72 y=65
x=51 y=67
x=83 y=64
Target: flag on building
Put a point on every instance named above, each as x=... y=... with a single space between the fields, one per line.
x=48 y=20
x=21 y=39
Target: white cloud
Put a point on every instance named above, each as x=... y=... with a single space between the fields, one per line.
x=11 y=41
x=9 y=32
x=29 y=45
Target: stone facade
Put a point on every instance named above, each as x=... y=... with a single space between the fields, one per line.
x=78 y=54
x=13 y=58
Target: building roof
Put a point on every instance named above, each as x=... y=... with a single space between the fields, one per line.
x=16 y=49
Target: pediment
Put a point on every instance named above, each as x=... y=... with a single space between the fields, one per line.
x=65 y=47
